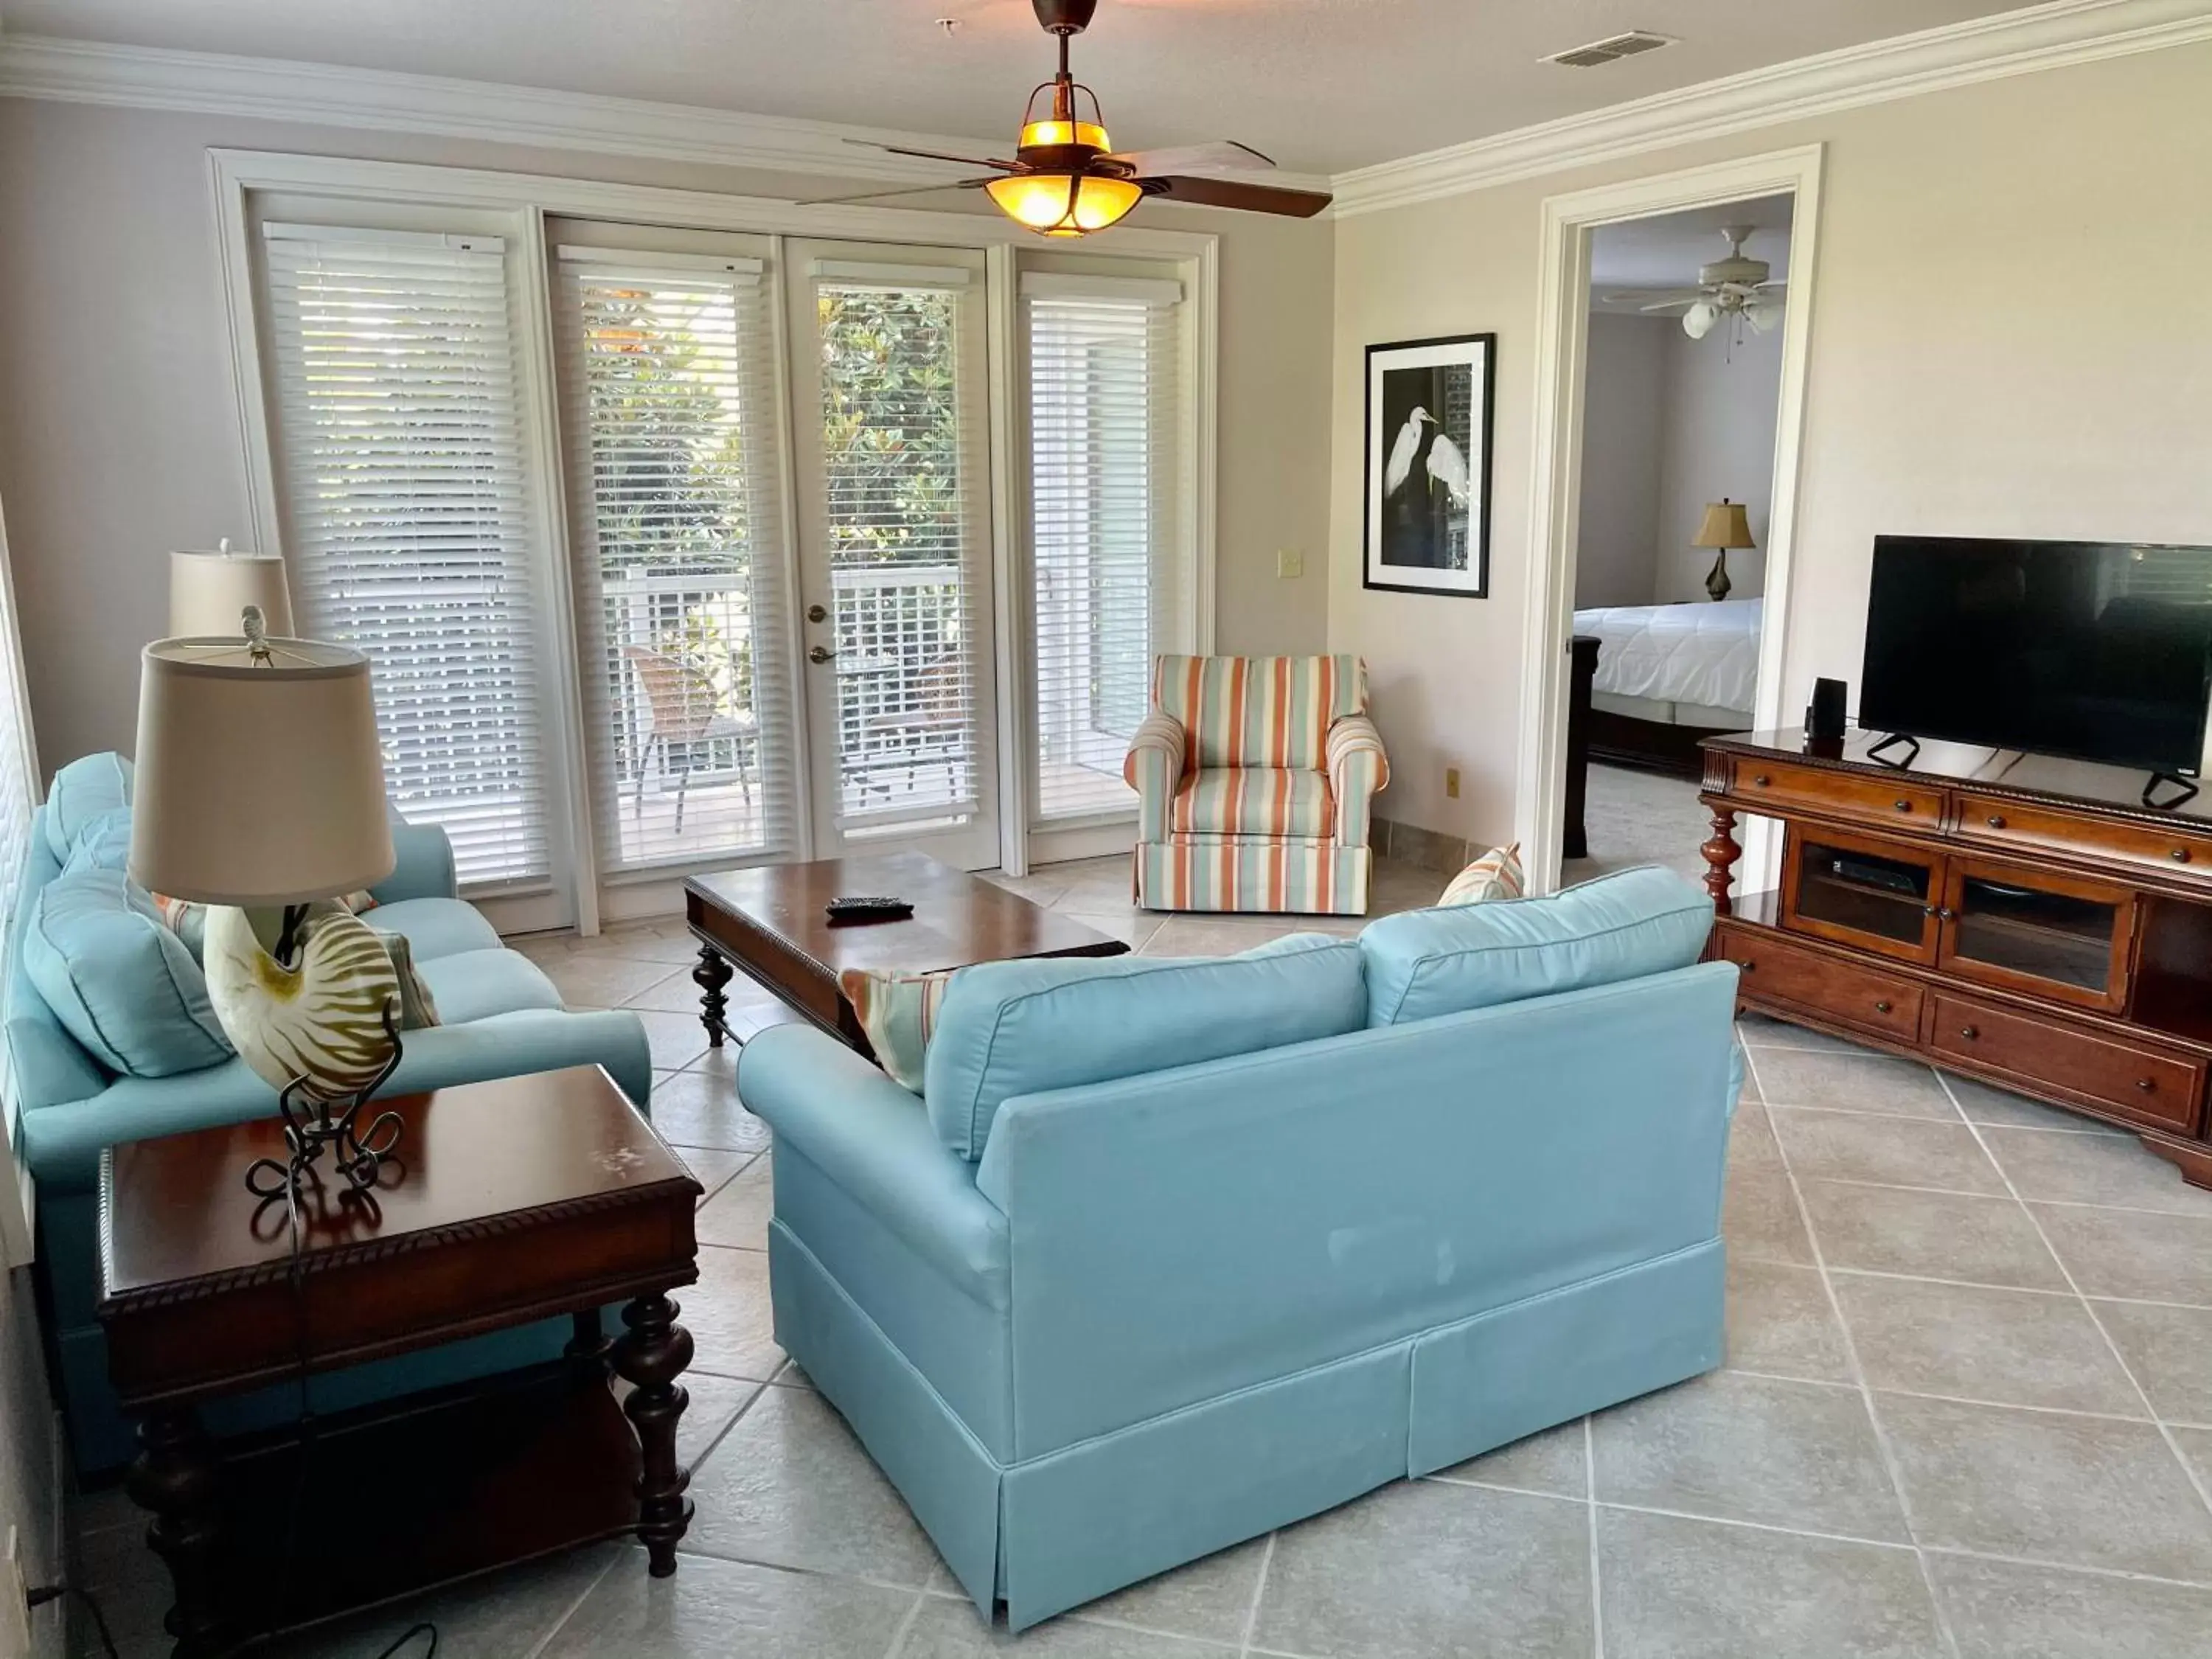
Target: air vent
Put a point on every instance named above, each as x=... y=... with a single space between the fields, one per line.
x=1611 y=50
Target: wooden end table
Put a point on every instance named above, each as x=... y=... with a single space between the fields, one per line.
x=510 y=1201
x=767 y=922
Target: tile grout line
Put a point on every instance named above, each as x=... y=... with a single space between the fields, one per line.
x=545 y=1641
x=1882 y=1446
x=906 y=1625
x=2196 y=1481
x=1589 y=1500
x=1258 y=1589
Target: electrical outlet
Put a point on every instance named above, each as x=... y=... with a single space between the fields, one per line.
x=1451 y=782
x=1289 y=562
x=14 y=1601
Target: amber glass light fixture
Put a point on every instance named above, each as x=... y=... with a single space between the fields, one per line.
x=1064 y=203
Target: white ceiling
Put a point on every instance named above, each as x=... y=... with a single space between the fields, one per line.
x=1666 y=251
x=1321 y=85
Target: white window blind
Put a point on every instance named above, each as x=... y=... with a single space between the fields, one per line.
x=675 y=444
x=1108 y=553
x=19 y=789
x=407 y=516
x=900 y=482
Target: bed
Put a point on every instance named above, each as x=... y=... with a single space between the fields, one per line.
x=1668 y=675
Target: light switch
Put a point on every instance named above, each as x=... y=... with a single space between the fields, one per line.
x=1289 y=562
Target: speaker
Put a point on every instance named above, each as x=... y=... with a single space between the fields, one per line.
x=1824 y=715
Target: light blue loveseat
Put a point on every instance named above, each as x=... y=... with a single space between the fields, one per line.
x=501 y=1015
x=1177 y=1252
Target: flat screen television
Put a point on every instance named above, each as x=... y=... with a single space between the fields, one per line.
x=2098 y=651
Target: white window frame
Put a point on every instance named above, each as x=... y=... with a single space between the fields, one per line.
x=18 y=1192
x=239 y=178
x=1106 y=270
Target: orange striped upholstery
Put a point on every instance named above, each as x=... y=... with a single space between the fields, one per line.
x=1258 y=711
x=1254 y=777
x=1260 y=801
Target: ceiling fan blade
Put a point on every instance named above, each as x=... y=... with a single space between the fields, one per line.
x=1236 y=193
x=1629 y=296
x=1670 y=305
x=934 y=155
x=1223 y=156
x=878 y=195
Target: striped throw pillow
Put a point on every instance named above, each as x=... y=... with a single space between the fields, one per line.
x=898 y=1012
x=1496 y=875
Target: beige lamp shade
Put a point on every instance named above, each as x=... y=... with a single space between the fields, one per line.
x=259 y=783
x=208 y=591
x=1726 y=525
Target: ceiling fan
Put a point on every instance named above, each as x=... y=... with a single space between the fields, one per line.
x=1067 y=179
x=1735 y=289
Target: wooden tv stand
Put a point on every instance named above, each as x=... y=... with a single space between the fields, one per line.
x=2019 y=919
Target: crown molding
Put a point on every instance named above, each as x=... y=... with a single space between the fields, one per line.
x=2049 y=36
x=331 y=95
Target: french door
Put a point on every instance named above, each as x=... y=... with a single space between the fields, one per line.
x=890 y=419
x=777 y=455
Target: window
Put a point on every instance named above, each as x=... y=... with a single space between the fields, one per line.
x=19 y=775
x=675 y=465
x=1109 y=557
x=407 y=517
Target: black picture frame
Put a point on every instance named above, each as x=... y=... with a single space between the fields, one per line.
x=1420 y=534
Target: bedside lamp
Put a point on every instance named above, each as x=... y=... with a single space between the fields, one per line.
x=209 y=591
x=1725 y=525
x=260 y=794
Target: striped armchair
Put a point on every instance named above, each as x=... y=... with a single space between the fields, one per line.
x=1254 y=776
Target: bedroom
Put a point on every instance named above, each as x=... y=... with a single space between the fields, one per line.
x=1677 y=473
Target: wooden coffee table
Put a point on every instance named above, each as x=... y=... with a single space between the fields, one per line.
x=769 y=922
x=510 y=1201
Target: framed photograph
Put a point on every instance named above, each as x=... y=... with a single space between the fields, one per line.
x=1429 y=405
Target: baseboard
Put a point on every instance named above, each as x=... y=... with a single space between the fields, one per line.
x=1424 y=849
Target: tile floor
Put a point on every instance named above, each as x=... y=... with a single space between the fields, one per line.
x=1966 y=1412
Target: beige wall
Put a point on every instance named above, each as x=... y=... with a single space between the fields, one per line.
x=1617 y=527
x=2012 y=334
x=119 y=429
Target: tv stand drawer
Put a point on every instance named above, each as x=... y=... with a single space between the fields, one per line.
x=1901 y=803
x=2185 y=847
x=2138 y=1084
x=1776 y=970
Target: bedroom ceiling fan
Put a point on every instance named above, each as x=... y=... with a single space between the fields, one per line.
x=1067 y=179
x=1735 y=288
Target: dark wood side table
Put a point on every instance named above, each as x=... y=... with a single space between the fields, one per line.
x=769 y=922
x=511 y=1201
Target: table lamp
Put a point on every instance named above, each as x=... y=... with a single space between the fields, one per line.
x=209 y=591
x=260 y=794
x=1726 y=525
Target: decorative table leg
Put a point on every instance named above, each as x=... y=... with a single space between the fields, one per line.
x=587 y=1349
x=1720 y=854
x=712 y=973
x=650 y=1355
x=175 y=1476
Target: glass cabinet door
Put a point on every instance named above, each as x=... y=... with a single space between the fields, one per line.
x=1879 y=895
x=2036 y=932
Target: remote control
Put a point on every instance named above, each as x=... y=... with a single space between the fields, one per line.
x=862 y=907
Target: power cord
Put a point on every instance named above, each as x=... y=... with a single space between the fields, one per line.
x=45 y=1593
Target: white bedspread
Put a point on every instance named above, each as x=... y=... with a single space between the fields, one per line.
x=1702 y=654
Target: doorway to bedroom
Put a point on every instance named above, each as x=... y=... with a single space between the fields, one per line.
x=1673 y=333
x=1682 y=375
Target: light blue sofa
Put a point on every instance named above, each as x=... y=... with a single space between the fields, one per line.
x=501 y=1015
x=1174 y=1253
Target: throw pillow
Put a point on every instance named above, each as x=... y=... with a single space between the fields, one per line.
x=85 y=789
x=417 y=1007
x=1496 y=875
x=898 y=1012
x=119 y=981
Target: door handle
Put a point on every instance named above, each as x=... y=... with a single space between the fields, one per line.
x=819 y=653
